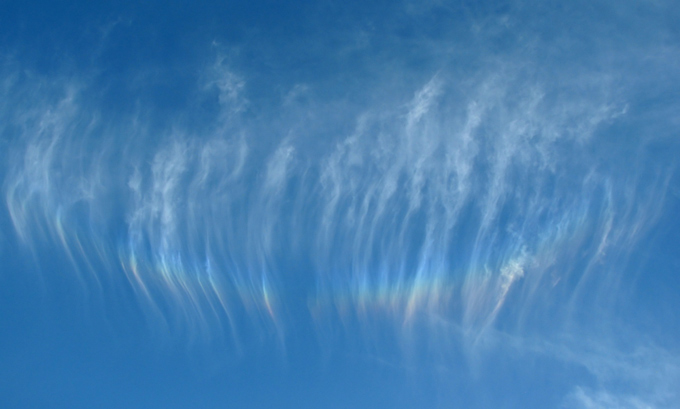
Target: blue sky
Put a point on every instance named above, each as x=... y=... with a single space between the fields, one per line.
x=405 y=204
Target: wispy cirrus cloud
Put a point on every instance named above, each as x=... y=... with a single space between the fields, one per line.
x=473 y=194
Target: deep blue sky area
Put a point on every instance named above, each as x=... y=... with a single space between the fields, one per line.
x=404 y=204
